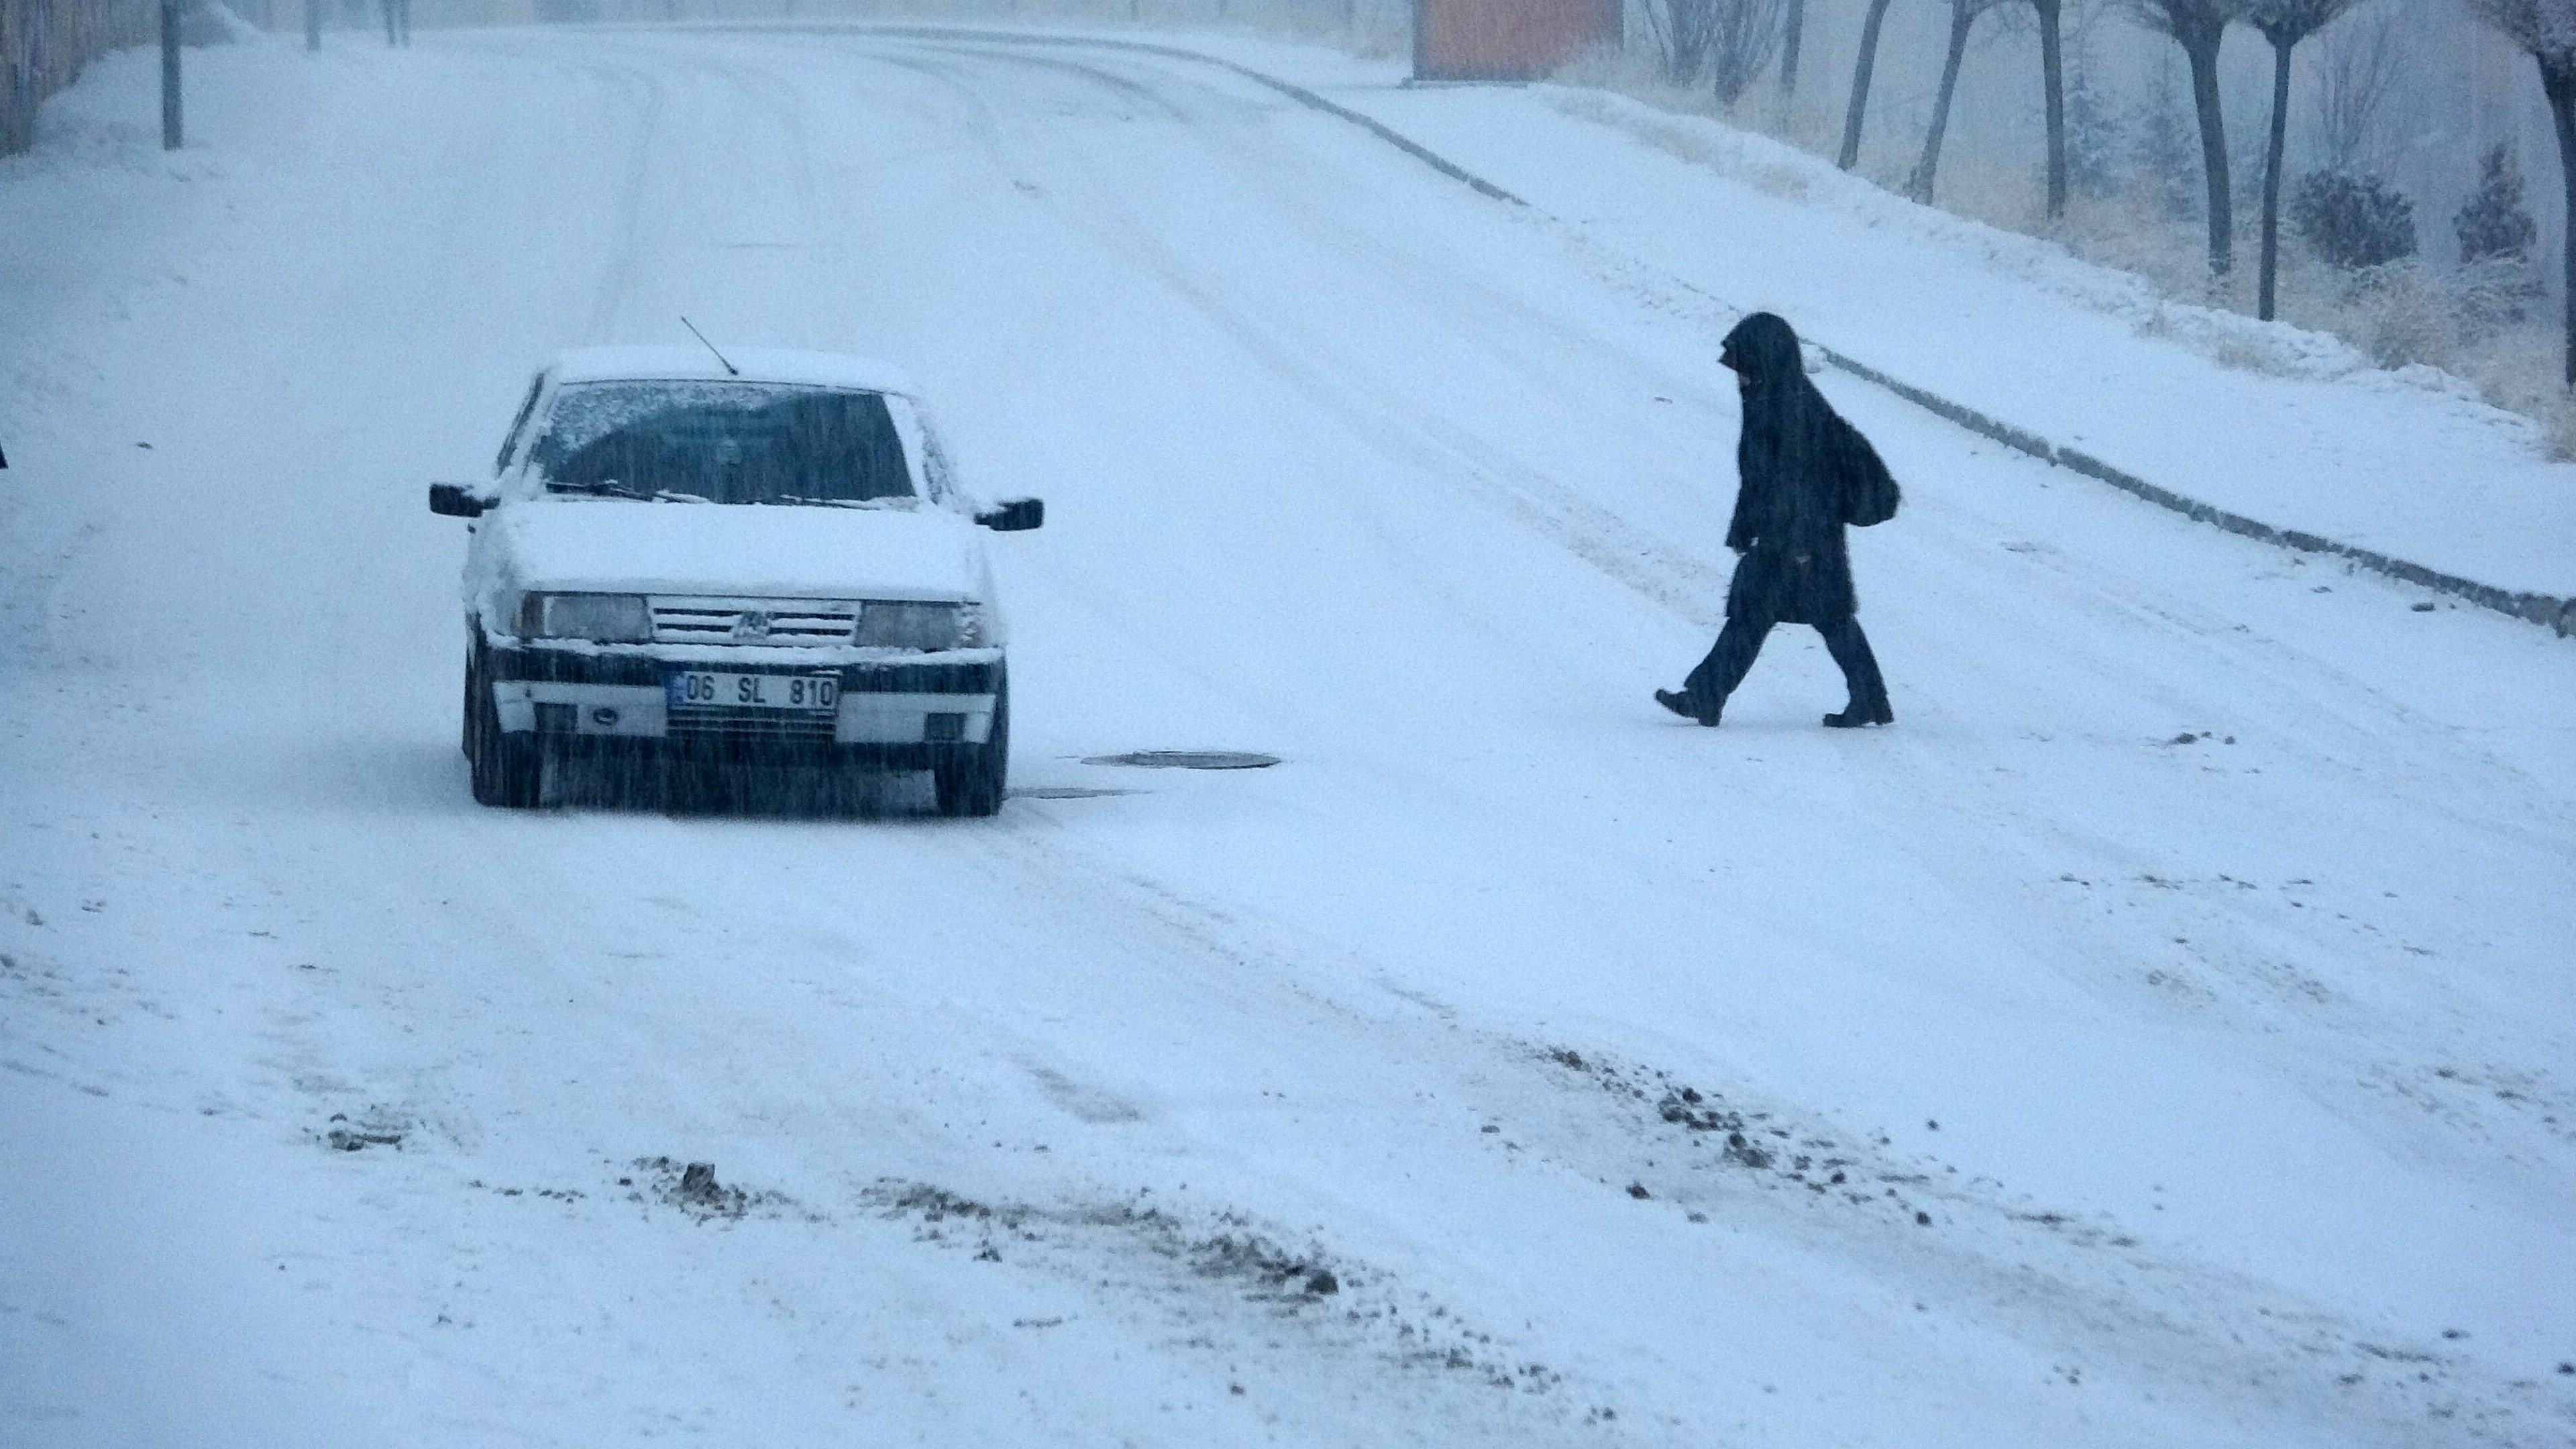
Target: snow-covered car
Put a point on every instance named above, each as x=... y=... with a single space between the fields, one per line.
x=763 y=557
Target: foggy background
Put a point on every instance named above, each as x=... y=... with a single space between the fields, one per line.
x=2436 y=88
x=2456 y=86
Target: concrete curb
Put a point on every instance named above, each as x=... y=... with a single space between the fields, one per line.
x=2543 y=609
x=2550 y=611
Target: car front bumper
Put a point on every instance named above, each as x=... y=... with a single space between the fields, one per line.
x=896 y=712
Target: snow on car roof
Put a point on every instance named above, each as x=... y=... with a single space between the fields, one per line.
x=756 y=364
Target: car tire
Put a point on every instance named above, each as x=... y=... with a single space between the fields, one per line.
x=974 y=783
x=474 y=690
x=506 y=768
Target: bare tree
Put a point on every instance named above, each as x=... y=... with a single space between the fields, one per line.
x=2052 y=78
x=2198 y=26
x=1963 y=14
x=2547 y=29
x=2354 y=73
x=1861 y=70
x=1725 y=42
x=2284 y=23
x=1793 y=33
x=1743 y=41
x=1680 y=31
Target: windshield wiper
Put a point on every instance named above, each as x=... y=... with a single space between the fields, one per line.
x=889 y=501
x=611 y=488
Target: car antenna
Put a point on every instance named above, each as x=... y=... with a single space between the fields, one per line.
x=730 y=369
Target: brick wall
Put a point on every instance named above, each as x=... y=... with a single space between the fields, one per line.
x=1469 y=40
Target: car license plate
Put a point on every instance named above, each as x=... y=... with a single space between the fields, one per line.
x=710 y=689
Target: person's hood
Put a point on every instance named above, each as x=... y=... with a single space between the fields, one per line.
x=737 y=550
x=1764 y=347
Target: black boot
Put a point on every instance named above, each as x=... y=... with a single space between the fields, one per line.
x=1858 y=714
x=1863 y=685
x=1682 y=705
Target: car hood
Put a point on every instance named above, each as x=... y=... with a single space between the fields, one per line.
x=765 y=551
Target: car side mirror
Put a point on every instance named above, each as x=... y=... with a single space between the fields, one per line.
x=1014 y=515
x=455 y=500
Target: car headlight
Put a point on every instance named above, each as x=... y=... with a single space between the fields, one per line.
x=892 y=624
x=606 y=618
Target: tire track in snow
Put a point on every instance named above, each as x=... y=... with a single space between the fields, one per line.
x=646 y=72
x=28 y=596
x=1671 y=577
x=643 y=92
x=640 y=91
x=782 y=97
x=1092 y=1221
x=2068 y=1285
x=1675 y=577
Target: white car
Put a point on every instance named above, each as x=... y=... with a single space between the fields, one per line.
x=762 y=557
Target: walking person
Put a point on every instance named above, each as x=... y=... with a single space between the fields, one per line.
x=1805 y=475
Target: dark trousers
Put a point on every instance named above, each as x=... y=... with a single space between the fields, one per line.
x=1732 y=657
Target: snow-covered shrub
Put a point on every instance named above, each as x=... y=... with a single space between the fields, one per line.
x=2404 y=315
x=2497 y=282
x=2352 y=221
x=2093 y=137
x=2495 y=292
x=2253 y=354
x=2493 y=223
x=2517 y=368
x=2560 y=422
x=2164 y=151
x=1723 y=42
x=2548 y=402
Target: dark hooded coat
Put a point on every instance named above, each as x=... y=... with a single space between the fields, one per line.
x=1800 y=465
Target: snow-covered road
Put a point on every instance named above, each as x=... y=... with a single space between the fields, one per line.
x=2203 y=897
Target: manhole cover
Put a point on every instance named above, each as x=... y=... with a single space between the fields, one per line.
x=1187 y=760
x=1065 y=792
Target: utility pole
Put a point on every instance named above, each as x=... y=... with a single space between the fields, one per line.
x=312 y=24
x=169 y=75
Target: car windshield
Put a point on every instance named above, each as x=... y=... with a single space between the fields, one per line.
x=723 y=442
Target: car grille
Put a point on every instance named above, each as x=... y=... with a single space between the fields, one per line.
x=753 y=621
x=737 y=724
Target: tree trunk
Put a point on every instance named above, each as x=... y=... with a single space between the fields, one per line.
x=169 y=75
x=2559 y=80
x=2202 y=48
x=16 y=121
x=1860 y=83
x=2052 y=75
x=1796 y=31
x=2282 y=44
x=1919 y=185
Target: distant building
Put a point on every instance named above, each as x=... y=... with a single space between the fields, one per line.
x=1489 y=40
